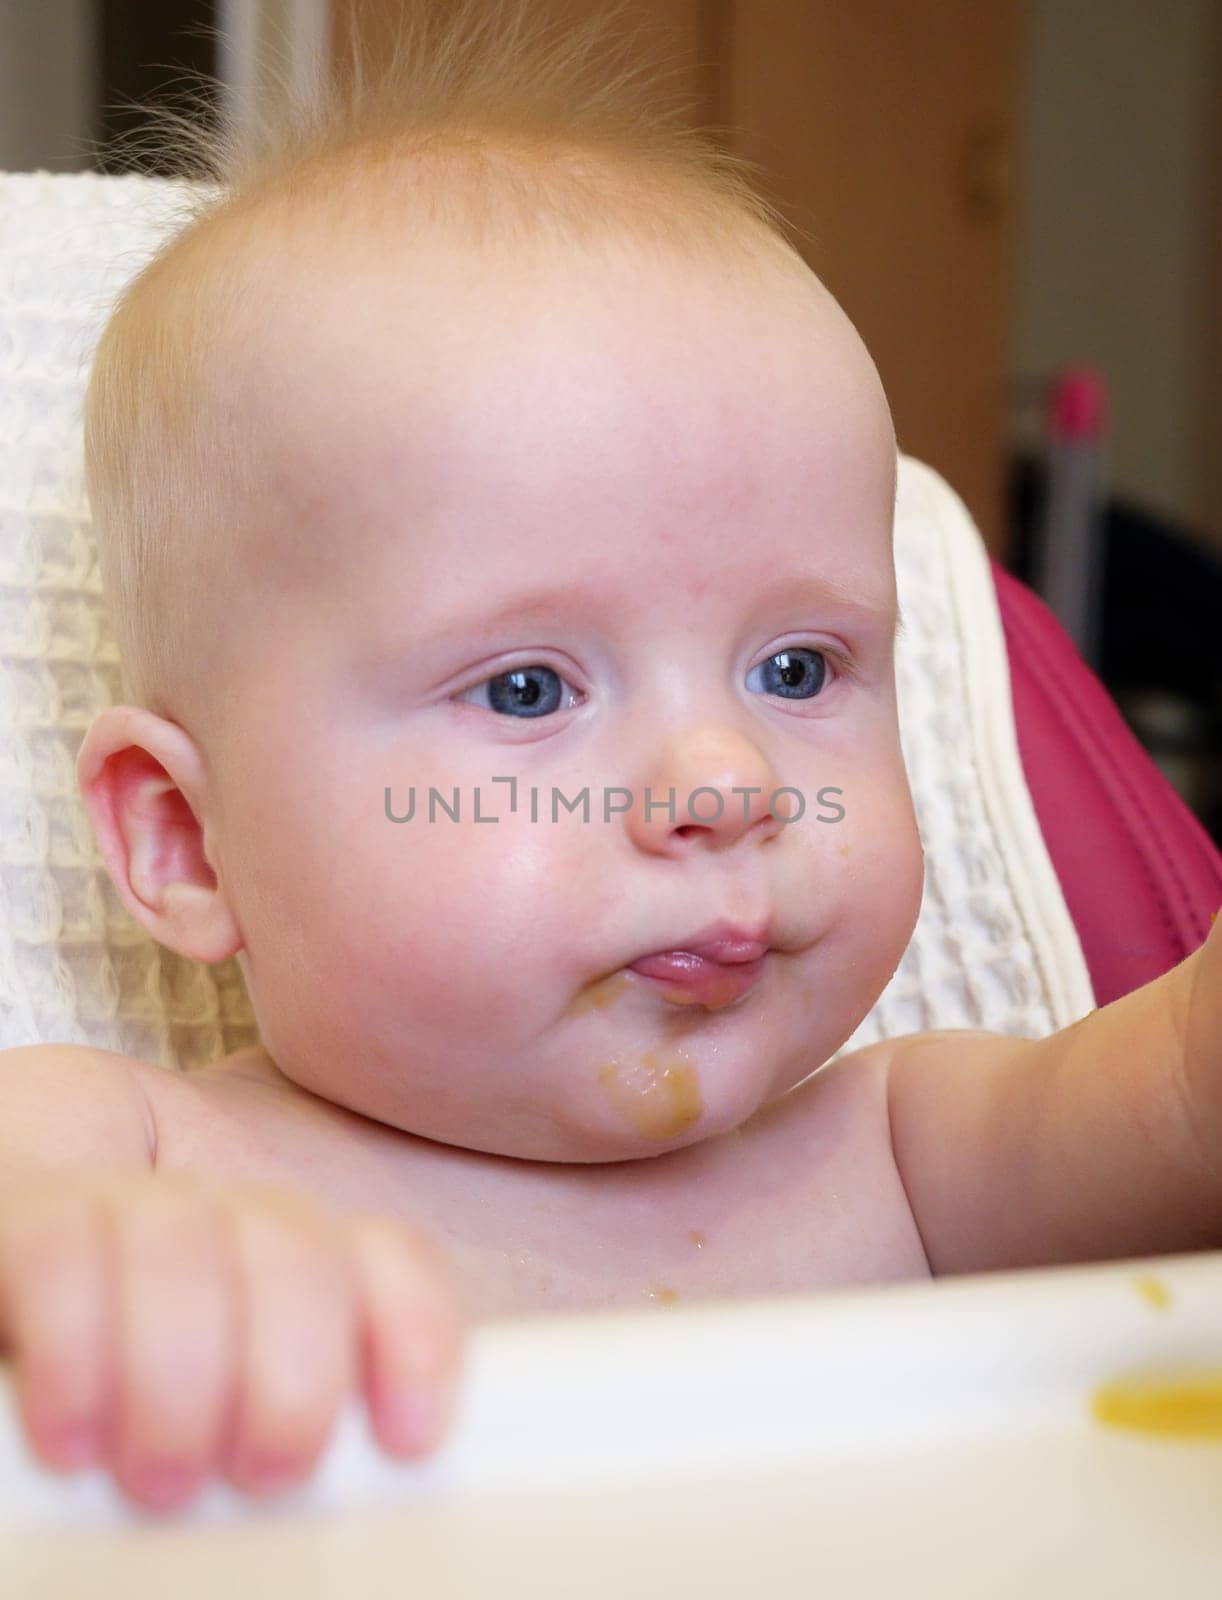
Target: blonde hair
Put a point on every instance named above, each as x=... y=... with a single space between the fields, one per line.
x=475 y=120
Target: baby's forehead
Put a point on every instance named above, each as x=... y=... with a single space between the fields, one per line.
x=380 y=389
x=412 y=307
x=430 y=329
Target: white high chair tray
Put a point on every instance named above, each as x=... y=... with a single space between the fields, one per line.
x=919 y=1439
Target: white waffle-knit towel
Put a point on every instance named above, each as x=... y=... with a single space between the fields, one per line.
x=994 y=946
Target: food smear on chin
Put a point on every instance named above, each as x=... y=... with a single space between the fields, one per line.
x=659 y=1094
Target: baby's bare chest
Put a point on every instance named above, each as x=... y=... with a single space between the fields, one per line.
x=803 y=1197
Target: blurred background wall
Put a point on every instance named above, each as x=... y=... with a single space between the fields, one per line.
x=997 y=194
x=48 y=84
x=1120 y=233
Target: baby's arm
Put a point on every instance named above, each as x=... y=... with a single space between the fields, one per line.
x=170 y=1327
x=68 y=1106
x=1099 y=1141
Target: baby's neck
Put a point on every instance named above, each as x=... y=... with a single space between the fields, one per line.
x=803 y=1195
x=524 y=1235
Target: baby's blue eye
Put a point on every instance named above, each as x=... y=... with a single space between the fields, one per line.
x=795 y=674
x=537 y=691
x=525 y=692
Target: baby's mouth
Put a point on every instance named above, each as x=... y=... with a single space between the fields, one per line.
x=713 y=968
x=687 y=979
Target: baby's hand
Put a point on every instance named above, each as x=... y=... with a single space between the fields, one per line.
x=1202 y=1038
x=171 y=1328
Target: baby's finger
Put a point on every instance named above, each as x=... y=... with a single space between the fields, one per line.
x=412 y=1338
x=176 y=1341
x=297 y=1362
x=56 y=1319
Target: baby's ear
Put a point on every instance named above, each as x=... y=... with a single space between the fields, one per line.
x=145 y=788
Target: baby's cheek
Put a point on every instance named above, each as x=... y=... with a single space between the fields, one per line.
x=861 y=855
x=885 y=871
x=461 y=922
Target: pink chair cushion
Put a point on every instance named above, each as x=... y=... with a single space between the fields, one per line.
x=1139 y=873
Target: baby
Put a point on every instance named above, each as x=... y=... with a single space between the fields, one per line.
x=506 y=599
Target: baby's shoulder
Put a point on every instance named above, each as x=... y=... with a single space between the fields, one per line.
x=176 y=1092
x=239 y=1116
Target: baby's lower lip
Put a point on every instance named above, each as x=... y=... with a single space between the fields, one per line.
x=695 y=980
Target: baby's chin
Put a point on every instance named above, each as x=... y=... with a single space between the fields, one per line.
x=658 y=1133
x=654 y=1096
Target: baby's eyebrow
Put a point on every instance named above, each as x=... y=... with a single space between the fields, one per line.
x=541 y=604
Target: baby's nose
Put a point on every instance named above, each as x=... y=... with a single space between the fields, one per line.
x=710 y=786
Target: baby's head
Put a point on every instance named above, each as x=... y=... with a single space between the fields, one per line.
x=543 y=479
